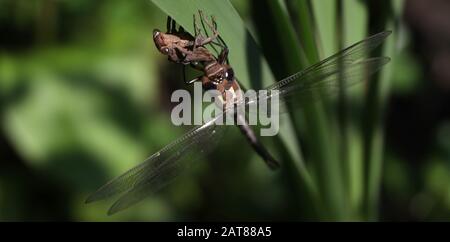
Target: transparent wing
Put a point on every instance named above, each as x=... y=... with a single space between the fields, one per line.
x=160 y=168
x=350 y=65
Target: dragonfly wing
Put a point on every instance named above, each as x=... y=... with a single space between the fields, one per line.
x=316 y=86
x=325 y=81
x=355 y=52
x=345 y=57
x=160 y=168
x=350 y=65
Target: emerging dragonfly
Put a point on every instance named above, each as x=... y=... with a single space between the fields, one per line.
x=351 y=64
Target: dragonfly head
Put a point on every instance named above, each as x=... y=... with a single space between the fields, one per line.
x=229 y=74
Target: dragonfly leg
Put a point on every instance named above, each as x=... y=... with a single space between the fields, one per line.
x=181 y=29
x=221 y=41
x=223 y=56
x=169 y=24
x=197 y=31
x=209 y=39
x=190 y=81
x=213 y=27
x=184 y=73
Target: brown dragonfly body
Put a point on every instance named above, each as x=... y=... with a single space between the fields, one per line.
x=220 y=76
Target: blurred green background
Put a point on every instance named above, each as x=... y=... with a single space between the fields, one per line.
x=84 y=96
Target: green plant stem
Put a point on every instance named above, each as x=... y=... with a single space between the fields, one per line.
x=379 y=13
x=317 y=130
x=343 y=112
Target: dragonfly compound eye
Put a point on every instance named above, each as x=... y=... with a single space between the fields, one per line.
x=229 y=74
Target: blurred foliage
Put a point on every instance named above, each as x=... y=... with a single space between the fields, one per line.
x=84 y=96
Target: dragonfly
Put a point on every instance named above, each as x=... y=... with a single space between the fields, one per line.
x=352 y=65
x=217 y=73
